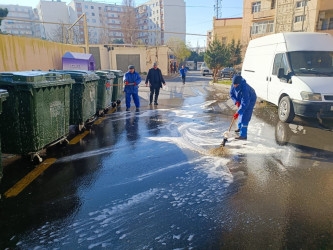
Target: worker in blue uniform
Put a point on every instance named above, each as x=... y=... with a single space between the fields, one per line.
x=132 y=79
x=245 y=98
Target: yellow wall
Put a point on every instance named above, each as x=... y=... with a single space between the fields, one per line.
x=230 y=28
x=23 y=53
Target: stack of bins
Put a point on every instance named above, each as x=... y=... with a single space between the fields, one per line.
x=104 y=91
x=36 y=111
x=83 y=98
x=3 y=97
x=118 y=86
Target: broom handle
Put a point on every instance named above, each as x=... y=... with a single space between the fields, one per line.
x=232 y=123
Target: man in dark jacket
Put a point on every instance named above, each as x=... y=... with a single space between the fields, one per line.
x=155 y=80
x=244 y=98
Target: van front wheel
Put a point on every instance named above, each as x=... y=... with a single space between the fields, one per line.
x=286 y=110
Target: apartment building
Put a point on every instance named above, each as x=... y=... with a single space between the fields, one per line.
x=14 y=27
x=227 y=29
x=55 y=12
x=159 y=20
x=98 y=15
x=264 y=17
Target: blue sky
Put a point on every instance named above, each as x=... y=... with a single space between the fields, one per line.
x=199 y=14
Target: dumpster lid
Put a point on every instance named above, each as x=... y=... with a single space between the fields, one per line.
x=117 y=72
x=3 y=93
x=106 y=74
x=34 y=78
x=80 y=76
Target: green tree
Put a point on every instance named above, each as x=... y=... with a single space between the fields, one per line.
x=236 y=53
x=3 y=13
x=179 y=48
x=196 y=57
x=218 y=55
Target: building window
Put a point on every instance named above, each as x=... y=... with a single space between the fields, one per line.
x=256 y=6
x=92 y=7
x=224 y=40
x=86 y=6
x=300 y=18
x=263 y=27
x=94 y=20
x=93 y=14
x=327 y=24
x=273 y=4
x=300 y=4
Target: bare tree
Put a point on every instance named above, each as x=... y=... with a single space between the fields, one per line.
x=128 y=22
x=59 y=34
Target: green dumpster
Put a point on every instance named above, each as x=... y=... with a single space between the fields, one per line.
x=36 y=111
x=83 y=96
x=3 y=97
x=104 y=90
x=118 y=88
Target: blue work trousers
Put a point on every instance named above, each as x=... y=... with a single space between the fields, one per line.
x=135 y=98
x=244 y=119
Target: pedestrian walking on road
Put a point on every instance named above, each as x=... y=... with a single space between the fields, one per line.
x=244 y=98
x=155 y=80
x=183 y=72
x=132 y=79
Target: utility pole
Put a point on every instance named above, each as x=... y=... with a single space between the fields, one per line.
x=218 y=9
x=85 y=29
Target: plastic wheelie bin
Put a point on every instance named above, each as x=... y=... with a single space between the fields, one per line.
x=83 y=101
x=118 y=88
x=3 y=97
x=104 y=91
x=36 y=111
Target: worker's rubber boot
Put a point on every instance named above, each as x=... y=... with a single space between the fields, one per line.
x=243 y=132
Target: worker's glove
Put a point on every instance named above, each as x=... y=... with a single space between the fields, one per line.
x=135 y=83
x=126 y=82
x=237 y=104
x=236 y=116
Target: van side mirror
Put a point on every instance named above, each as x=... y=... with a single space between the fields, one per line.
x=281 y=73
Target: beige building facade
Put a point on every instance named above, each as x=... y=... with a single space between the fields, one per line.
x=227 y=29
x=264 y=17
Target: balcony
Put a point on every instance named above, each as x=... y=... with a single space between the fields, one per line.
x=264 y=14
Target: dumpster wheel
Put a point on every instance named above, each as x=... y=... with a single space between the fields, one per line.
x=36 y=159
x=114 y=105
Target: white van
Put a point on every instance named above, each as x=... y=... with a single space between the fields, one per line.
x=293 y=71
x=205 y=70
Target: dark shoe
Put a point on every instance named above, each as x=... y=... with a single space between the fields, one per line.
x=237 y=130
x=137 y=110
x=127 y=109
x=155 y=103
x=241 y=138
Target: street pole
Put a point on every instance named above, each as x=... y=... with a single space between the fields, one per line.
x=86 y=38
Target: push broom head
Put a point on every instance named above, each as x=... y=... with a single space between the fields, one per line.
x=221 y=150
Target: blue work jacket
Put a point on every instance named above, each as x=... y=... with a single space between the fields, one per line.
x=132 y=78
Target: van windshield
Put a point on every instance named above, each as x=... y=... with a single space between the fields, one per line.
x=311 y=63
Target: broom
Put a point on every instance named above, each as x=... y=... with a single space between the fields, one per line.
x=221 y=150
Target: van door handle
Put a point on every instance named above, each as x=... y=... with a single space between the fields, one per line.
x=270 y=79
x=267 y=79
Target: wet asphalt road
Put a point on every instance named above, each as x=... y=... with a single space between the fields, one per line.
x=146 y=181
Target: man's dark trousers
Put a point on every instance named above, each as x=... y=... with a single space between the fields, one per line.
x=154 y=90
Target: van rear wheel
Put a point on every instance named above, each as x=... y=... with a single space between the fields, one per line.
x=286 y=110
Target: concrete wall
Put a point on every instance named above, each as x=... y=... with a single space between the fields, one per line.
x=148 y=55
x=22 y=53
